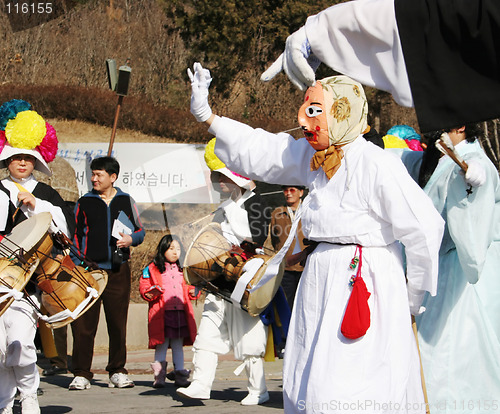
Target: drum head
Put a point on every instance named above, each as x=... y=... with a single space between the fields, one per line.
x=14 y=276
x=206 y=255
x=27 y=235
x=255 y=302
x=67 y=289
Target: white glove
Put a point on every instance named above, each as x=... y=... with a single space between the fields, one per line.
x=415 y=299
x=200 y=82
x=297 y=61
x=475 y=175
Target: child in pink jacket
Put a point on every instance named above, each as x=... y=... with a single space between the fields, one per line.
x=170 y=318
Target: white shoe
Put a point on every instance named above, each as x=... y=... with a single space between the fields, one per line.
x=29 y=404
x=79 y=383
x=257 y=390
x=120 y=380
x=255 y=399
x=195 y=391
x=6 y=410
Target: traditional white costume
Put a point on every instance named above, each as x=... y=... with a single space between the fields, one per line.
x=18 y=324
x=359 y=195
x=370 y=201
x=225 y=326
x=459 y=333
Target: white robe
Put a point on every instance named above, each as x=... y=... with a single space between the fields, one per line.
x=224 y=326
x=361 y=40
x=371 y=201
x=459 y=333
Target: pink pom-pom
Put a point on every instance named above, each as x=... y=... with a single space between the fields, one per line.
x=48 y=146
x=414 y=144
x=3 y=140
x=239 y=175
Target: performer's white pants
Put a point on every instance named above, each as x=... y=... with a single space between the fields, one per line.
x=18 y=368
x=224 y=326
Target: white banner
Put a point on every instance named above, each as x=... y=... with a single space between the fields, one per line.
x=149 y=172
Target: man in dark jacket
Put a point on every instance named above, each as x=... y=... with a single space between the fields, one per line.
x=107 y=224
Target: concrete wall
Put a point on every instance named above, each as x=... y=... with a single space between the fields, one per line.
x=137 y=327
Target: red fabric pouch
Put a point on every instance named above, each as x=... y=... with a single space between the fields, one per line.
x=356 y=319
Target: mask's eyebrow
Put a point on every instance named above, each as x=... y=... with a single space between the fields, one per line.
x=315 y=103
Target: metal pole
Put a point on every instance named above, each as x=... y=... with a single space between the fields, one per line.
x=115 y=123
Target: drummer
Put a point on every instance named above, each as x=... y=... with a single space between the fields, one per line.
x=223 y=325
x=30 y=144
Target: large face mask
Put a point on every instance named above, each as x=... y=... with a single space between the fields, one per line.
x=334 y=112
x=312 y=118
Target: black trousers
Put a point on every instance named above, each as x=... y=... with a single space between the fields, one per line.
x=289 y=283
x=115 y=299
x=61 y=342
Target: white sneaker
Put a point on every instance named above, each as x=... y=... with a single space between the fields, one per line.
x=255 y=399
x=120 y=380
x=6 y=410
x=79 y=383
x=29 y=404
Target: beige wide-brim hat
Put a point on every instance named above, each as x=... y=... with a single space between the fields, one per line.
x=8 y=151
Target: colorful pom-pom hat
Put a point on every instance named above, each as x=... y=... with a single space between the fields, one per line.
x=23 y=131
x=404 y=132
x=215 y=164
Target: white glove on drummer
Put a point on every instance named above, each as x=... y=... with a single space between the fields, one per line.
x=415 y=299
x=200 y=82
x=297 y=61
x=475 y=175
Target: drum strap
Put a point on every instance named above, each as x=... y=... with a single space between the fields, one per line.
x=20 y=187
x=274 y=264
x=65 y=314
x=10 y=293
x=21 y=190
x=249 y=270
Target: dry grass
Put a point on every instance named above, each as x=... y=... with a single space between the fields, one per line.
x=78 y=131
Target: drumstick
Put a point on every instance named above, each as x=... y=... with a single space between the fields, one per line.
x=192 y=223
x=19 y=204
x=445 y=145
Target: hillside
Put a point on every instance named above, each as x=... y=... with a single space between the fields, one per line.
x=81 y=131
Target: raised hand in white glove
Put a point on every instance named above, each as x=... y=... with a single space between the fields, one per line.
x=297 y=61
x=415 y=299
x=475 y=175
x=200 y=82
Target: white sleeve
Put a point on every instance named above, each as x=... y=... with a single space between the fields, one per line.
x=415 y=222
x=261 y=155
x=4 y=210
x=360 y=39
x=58 y=218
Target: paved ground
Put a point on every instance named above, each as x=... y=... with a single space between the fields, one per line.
x=227 y=391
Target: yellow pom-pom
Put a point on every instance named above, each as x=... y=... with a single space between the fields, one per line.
x=26 y=130
x=392 y=141
x=213 y=162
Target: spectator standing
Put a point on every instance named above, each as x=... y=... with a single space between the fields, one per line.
x=97 y=213
x=170 y=318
